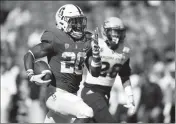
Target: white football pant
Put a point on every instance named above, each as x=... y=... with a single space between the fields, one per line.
x=62 y=102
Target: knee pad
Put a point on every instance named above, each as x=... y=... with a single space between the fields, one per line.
x=89 y=112
x=50 y=102
x=86 y=112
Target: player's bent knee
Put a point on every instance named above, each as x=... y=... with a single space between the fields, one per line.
x=50 y=103
x=90 y=112
x=87 y=112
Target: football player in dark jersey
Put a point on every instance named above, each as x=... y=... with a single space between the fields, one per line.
x=115 y=57
x=67 y=47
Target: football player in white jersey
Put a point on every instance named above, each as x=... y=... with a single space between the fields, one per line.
x=115 y=57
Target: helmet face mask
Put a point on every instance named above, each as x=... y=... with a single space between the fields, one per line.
x=71 y=20
x=77 y=26
x=114 y=35
x=114 y=31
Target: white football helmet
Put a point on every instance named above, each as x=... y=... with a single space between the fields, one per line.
x=113 y=30
x=71 y=19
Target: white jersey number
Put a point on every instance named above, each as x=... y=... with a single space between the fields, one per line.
x=72 y=63
x=107 y=71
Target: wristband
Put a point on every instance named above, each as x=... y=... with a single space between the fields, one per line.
x=96 y=59
x=95 y=53
x=96 y=56
x=95 y=64
x=30 y=73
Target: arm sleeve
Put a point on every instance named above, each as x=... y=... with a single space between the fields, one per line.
x=87 y=61
x=125 y=71
x=91 y=64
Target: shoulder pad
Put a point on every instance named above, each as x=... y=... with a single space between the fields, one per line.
x=47 y=36
x=61 y=36
x=57 y=32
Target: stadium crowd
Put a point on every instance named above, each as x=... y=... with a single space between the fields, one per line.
x=150 y=32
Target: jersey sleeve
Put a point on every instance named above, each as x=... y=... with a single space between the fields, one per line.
x=48 y=37
x=88 y=55
x=125 y=70
x=87 y=61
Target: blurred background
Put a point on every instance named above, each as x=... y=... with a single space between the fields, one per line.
x=150 y=32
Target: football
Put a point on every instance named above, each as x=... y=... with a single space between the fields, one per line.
x=42 y=67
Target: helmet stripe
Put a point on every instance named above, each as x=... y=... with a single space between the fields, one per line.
x=78 y=9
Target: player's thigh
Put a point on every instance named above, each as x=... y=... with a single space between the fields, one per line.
x=68 y=104
x=94 y=99
x=99 y=103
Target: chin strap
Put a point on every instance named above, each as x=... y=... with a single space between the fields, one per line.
x=76 y=35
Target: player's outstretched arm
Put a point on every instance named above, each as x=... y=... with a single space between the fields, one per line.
x=38 y=51
x=95 y=59
x=125 y=77
x=94 y=66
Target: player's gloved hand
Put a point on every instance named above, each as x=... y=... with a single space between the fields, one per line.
x=37 y=78
x=94 y=44
x=130 y=105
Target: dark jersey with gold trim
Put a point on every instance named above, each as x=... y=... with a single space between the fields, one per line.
x=66 y=58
